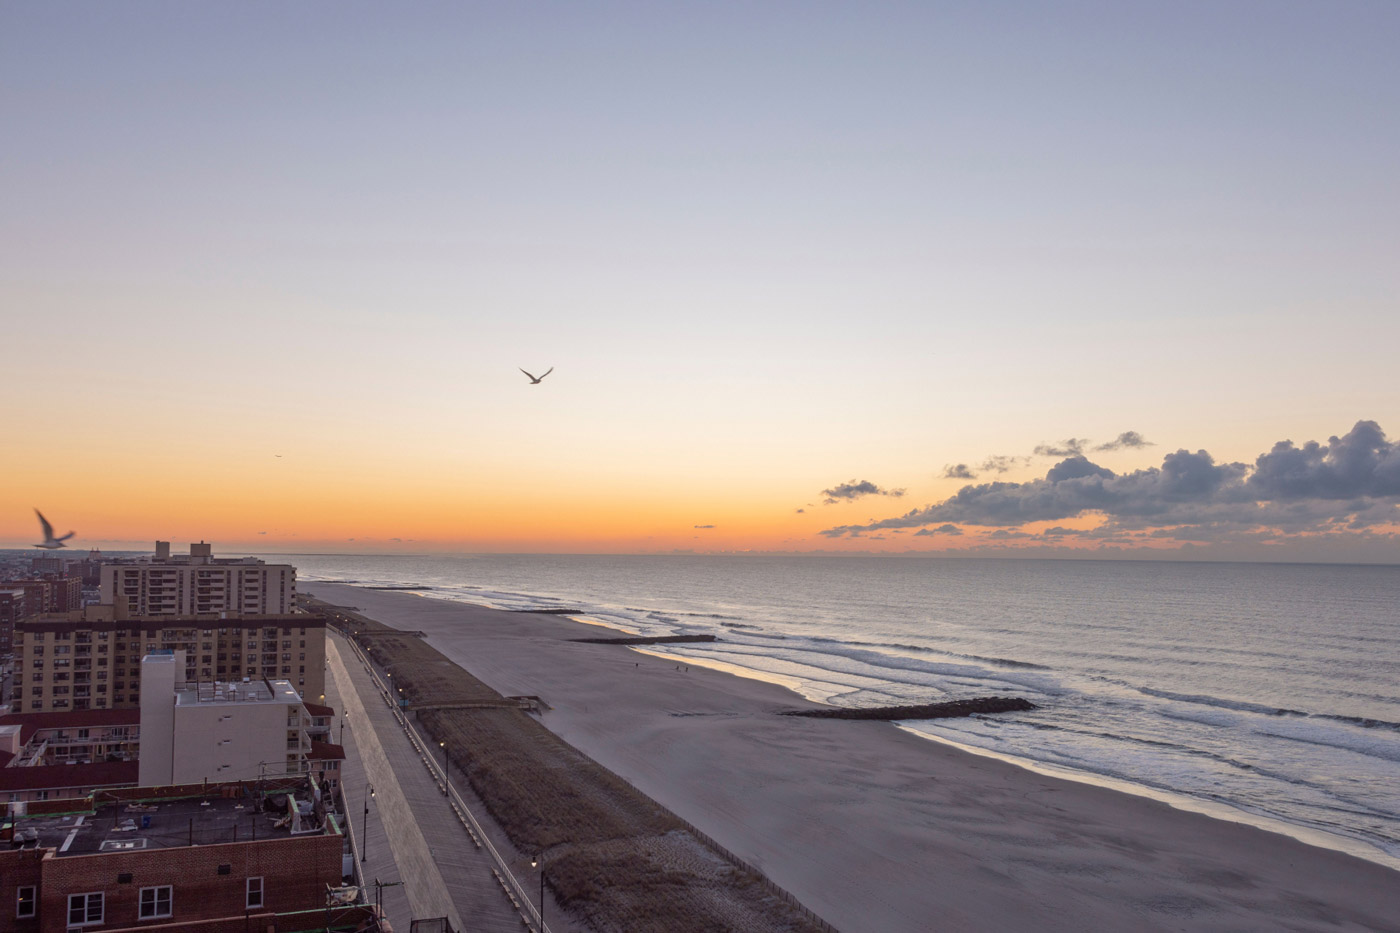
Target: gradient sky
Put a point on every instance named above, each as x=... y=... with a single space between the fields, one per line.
x=770 y=248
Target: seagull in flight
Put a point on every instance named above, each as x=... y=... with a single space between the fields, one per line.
x=50 y=542
x=536 y=380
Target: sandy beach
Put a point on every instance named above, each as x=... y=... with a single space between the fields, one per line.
x=878 y=830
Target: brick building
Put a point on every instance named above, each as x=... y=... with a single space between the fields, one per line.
x=222 y=859
x=14 y=606
x=91 y=659
x=53 y=592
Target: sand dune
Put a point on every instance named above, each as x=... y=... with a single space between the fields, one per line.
x=878 y=830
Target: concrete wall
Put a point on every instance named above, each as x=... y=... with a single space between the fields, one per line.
x=227 y=741
x=158 y=678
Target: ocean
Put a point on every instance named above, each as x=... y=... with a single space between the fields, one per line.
x=1266 y=692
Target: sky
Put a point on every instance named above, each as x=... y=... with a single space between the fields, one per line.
x=812 y=277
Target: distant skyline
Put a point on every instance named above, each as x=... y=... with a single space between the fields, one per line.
x=810 y=277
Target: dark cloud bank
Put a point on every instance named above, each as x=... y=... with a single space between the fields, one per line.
x=1351 y=483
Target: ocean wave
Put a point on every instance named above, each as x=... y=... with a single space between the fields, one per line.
x=924 y=649
x=1265 y=710
x=1238 y=705
x=1362 y=721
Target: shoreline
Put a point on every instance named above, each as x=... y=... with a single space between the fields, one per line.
x=802 y=803
x=1217 y=810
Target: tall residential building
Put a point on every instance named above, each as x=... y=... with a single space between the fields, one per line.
x=14 y=607
x=166 y=585
x=52 y=592
x=91 y=658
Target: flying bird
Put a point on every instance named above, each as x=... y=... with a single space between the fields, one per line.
x=536 y=380
x=50 y=542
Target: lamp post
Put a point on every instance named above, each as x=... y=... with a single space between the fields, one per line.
x=443 y=746
x=364 y=843
x=539 y=860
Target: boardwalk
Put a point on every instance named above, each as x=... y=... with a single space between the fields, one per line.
x=417 y=842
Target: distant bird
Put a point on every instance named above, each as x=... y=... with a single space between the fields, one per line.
x=536 y=380
x=50 y=542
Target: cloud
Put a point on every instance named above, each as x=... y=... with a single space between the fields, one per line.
x=800 y=511
x=951 y=530
x=262 y=532
x=958 y=471
x=1003 y=463
x=1070 y=447
x=855 y=489
x=704 y=526
x=1349 y=482
x=1126 y=440
x=1361 y=464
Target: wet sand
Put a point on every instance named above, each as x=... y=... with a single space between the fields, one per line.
x=878 y=830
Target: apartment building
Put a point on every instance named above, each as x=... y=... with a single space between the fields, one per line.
x=175 y=585
x=14 y=606
x=91 y=658
x=228 y=858
x=81 y=737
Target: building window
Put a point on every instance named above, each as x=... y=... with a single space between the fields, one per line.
x=255 y=893
x=84 y=909
x=27 y=901
x=155 y=902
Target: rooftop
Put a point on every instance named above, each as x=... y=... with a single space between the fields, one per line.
x=169 y=824
x=253 y=691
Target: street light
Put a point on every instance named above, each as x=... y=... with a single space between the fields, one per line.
x=443 y=746
x=539 y=860
x=364 y=843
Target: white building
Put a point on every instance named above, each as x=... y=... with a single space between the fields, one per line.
x=193 y=732
x=197 y=583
